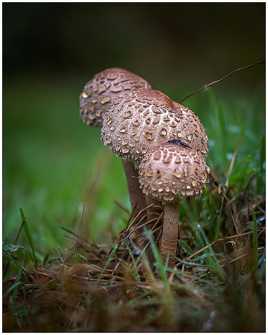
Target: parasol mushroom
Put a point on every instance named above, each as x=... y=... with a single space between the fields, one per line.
x=167 y=173
x=163 y=139
x=144 y=120
x=99 y=96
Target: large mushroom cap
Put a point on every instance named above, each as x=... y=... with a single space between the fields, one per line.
x=147 y=118
x=170 y=171
x=105 y=88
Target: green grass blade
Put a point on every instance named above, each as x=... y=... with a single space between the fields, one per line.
x=28 y=235
x=160 y=266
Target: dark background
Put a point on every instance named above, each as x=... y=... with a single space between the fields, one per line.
x=167 y=43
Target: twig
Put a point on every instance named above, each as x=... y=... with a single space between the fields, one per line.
x=118 y=204
x=192 y=263
x=219 y=240
x=224 y=77
x=131 y=222
x=238 y=257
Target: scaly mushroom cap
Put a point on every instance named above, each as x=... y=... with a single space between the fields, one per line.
x=108 y=86
x=170 y=171
x=147 y=118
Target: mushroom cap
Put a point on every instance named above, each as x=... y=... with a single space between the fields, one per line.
x=148 y=118
x=170 y=171
x=106 y=87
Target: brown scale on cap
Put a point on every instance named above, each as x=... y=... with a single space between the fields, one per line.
x=171 y=171
x=148 y=118
x=167 y=173
x=107 y=88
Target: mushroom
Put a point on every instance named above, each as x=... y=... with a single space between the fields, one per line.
x=167 y=173
x=163 y=140
x=99 y=97
x=147 y=119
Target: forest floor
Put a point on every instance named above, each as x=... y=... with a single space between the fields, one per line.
x=57 y=276
x=219 y=287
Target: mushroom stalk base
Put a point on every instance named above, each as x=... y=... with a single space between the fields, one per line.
x=136 y=196
x=170 y=233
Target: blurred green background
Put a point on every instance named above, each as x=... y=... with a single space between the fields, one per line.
x=53 y=163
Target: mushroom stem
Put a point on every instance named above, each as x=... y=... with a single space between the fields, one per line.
x=170 y=233
x=154 y=219
x=154 y=210
x=137 y=199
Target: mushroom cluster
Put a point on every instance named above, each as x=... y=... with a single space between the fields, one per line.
x=162 y=143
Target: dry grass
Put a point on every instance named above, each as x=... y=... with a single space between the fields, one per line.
x=112 y=288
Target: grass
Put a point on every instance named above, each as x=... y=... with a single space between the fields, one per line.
x=65 y=201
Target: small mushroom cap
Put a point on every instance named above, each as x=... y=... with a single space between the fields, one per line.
x=108 y=86
x=170 y=171
x=148 y=118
